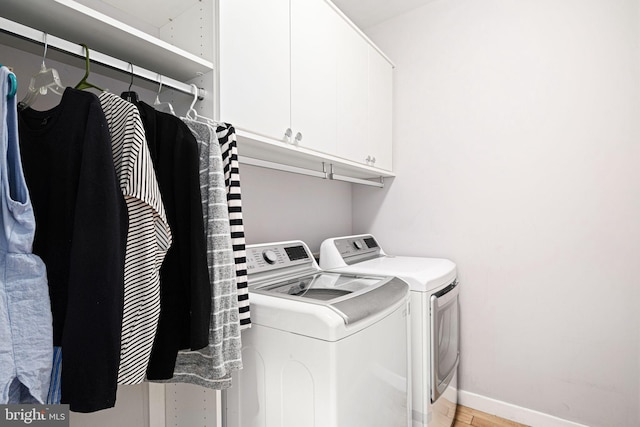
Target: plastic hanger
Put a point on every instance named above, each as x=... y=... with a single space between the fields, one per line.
x=129 y=95
x=45 y=81
x=193 y=115
x=158 y=103
x=84 y=84
x=13 y=85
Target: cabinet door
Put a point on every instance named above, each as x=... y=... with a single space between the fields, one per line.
x=313 y=73
x=352 y=94
x=379 y=108
x=254 y=66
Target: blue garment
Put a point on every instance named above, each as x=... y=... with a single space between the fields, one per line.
x=26 y=332
x=55 y=388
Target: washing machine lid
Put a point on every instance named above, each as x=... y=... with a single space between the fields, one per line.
x=352 y=297
x=361 y=254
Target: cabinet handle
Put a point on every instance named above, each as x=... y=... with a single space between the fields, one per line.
x=368 y=159
x=287 y=134
x=298 y=138
x=373 y=160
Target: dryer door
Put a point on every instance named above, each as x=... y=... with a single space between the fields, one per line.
x=445 y=353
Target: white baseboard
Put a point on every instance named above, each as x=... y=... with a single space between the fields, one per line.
x=512 y=412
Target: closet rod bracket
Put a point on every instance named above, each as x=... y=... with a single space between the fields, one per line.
x=202 y=93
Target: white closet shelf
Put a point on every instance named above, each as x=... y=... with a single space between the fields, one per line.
x=75 y=22
x=13 y=29
x=278 y=152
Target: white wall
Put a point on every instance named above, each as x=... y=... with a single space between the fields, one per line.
x=283 y=206
x=517 y=149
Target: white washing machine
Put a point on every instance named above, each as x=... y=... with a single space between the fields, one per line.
x=324 y=349
x=434 y=319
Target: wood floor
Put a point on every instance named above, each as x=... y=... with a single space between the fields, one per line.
x=466 y=417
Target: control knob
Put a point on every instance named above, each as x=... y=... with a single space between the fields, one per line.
x=270 y=256
x=358 y=244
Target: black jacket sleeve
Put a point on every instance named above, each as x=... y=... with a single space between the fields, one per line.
x=185 y=289
x=194 y=253
x=93 y=323
x=201 y=293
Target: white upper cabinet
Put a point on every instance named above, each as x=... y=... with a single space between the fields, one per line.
x=298 y=72
x=379 y=110
x=278 y=70
x=365 y=82
x=352 y=94
x=313 y=74
x=255 y=80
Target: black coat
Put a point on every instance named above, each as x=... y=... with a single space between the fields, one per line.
x=81 y=229
x=184 y=276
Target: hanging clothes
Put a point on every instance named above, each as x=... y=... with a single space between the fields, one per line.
x=26 y=333
x=148 y=238
x=226 y=134
x=81 y=237
x=54 y=396
x=211 y=367
x=184 y=277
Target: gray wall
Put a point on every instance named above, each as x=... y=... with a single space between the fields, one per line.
x=517 y=149
x=284 y=206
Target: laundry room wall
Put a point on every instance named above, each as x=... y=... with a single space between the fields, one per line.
x=517 y=153
x=284 y=206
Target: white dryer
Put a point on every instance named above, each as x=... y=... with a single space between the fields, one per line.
x=324 y=349
x=434 y=319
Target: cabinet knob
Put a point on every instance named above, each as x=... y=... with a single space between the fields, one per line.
x=373 y=160
x=368 y=159
x=288 y=133
x=298 y=138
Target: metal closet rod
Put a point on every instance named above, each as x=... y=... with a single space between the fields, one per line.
x=334 y=176
x=37 y=36
x=310 y=172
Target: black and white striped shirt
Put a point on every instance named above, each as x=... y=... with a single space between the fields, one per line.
x=227 y=139
x=148 y=238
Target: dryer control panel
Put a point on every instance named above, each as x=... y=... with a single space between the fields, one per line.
x=358 y=248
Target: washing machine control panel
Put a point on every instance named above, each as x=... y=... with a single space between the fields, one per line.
x=270 y=257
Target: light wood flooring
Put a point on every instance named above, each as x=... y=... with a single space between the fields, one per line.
x=466 y=417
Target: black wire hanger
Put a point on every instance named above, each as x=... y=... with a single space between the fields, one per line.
x=130 y=95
